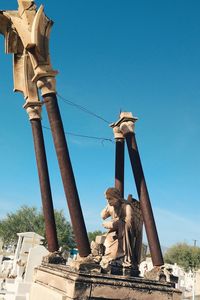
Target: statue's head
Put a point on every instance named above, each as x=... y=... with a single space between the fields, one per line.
x=113 y=196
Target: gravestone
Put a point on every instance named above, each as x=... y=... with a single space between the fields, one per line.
x=26 y=241
x=28 y=255
x=35 y=257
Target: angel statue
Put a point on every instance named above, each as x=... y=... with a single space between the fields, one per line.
x=123 y=240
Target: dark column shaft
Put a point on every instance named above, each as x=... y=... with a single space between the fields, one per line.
x=67 y=175
x=146 y=208
x=45 y=187
x=119 y=166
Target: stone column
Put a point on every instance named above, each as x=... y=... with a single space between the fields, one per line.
x=47 y=87
x=119 y=160
x=127 y=128
x=34 y=112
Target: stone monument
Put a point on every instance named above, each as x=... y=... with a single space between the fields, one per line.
x=111 y=270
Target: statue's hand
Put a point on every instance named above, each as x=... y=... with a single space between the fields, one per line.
x=105 y=213
x=108 y=225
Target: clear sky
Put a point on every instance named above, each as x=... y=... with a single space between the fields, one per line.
x=139 y=56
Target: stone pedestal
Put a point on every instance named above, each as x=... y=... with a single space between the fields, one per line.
x=62 y=283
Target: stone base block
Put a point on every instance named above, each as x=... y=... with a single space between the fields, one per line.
x=17 y=290
x=42 y=292
x=23 y=288
x=54 y=282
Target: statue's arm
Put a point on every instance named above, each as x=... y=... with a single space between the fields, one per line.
x=129 y=217
x=111 y=225
x=105 y=213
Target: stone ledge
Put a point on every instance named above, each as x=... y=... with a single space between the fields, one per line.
x=71 y=284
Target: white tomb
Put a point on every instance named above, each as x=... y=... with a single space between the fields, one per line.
x=28 y=255
x=26 y=241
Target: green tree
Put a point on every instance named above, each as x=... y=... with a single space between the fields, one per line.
x=92 y=235
x=64 y=231
x=30 y=219
x=184 y=255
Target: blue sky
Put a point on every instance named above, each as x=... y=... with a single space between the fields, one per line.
x=139 y=56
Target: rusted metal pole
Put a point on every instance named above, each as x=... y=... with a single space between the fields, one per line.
x=119 y=165
x=119 y=159
x=145 y=203
x=45 y=187
x=67 y=174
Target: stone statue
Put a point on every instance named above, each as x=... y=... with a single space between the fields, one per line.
x=123 y=241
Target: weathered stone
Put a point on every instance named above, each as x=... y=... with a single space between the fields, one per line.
x=162 y=274
x=54 y=258
x=97 y=249
x=100 y=239
x=85 y=264
x=27 y=34
x=64 y=283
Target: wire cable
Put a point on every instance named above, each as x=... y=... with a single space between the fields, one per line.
x=103 y=139
x=84 y=109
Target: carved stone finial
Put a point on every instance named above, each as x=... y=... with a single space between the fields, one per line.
x=33 y=28
x=27 y=11
x=33 y=110
x=23 y=74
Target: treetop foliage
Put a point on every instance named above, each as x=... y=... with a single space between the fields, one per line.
x=186 y=256
x=28 y=219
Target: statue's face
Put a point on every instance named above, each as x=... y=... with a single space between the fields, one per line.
x=112 y=201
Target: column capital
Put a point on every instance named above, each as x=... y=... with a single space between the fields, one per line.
x=118 y=135
x=47 y=85
x=125 y=124
x=34 y=110
x=127 y=127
